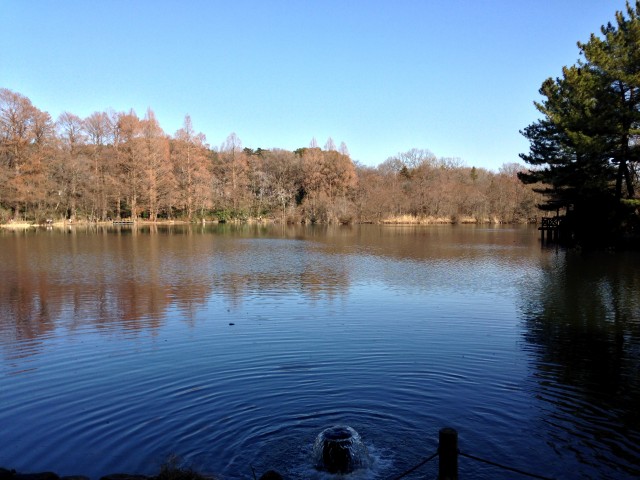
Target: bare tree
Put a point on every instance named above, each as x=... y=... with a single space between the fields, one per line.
x=24 y=132
x=329 y=145
x=99 y=129
x=283 y=173
x=112 y=162
x=158 y=178
x=72 y=168
x=189 y=160
x=130 y=158
x=234 y=163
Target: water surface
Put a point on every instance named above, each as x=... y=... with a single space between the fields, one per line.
x=233 y=347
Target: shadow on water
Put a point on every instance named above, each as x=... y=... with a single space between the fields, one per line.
x=582 y=327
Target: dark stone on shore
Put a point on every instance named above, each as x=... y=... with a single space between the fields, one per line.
x=13 y=475
x=271 y=475
x=6 y=474
x=35 y=476
x=124 y=476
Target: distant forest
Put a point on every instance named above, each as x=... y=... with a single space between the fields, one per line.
x=114 y=165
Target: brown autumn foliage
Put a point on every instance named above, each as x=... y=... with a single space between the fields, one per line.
x=114 y=165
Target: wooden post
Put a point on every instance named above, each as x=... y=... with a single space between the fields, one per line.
x=448 y=453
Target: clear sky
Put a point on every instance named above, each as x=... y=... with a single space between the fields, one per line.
x=457 y=77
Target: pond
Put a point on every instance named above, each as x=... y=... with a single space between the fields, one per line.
x=233 y=347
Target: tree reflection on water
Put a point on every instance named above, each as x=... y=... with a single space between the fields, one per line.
x=125 y=281
x=582 y=319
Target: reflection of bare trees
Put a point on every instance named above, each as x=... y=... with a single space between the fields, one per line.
x=312 y=282
x=129 y=280
x=80 y=279
x=263 y=265
x=583 y=327
x=125 y=280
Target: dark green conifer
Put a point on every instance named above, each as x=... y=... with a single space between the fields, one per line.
x=583 y=149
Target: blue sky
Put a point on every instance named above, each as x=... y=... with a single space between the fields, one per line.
x=456 y=77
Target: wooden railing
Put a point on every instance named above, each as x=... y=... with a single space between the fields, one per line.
x=550 y=223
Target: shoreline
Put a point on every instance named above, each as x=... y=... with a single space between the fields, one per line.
x=400 y=220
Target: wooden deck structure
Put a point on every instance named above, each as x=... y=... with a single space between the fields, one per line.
x=550 y=228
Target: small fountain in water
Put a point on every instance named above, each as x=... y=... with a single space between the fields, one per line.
x=339 y=449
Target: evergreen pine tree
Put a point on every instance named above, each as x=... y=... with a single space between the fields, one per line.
x=583 y=150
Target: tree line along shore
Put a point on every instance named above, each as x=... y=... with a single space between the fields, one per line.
x=117 y=165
